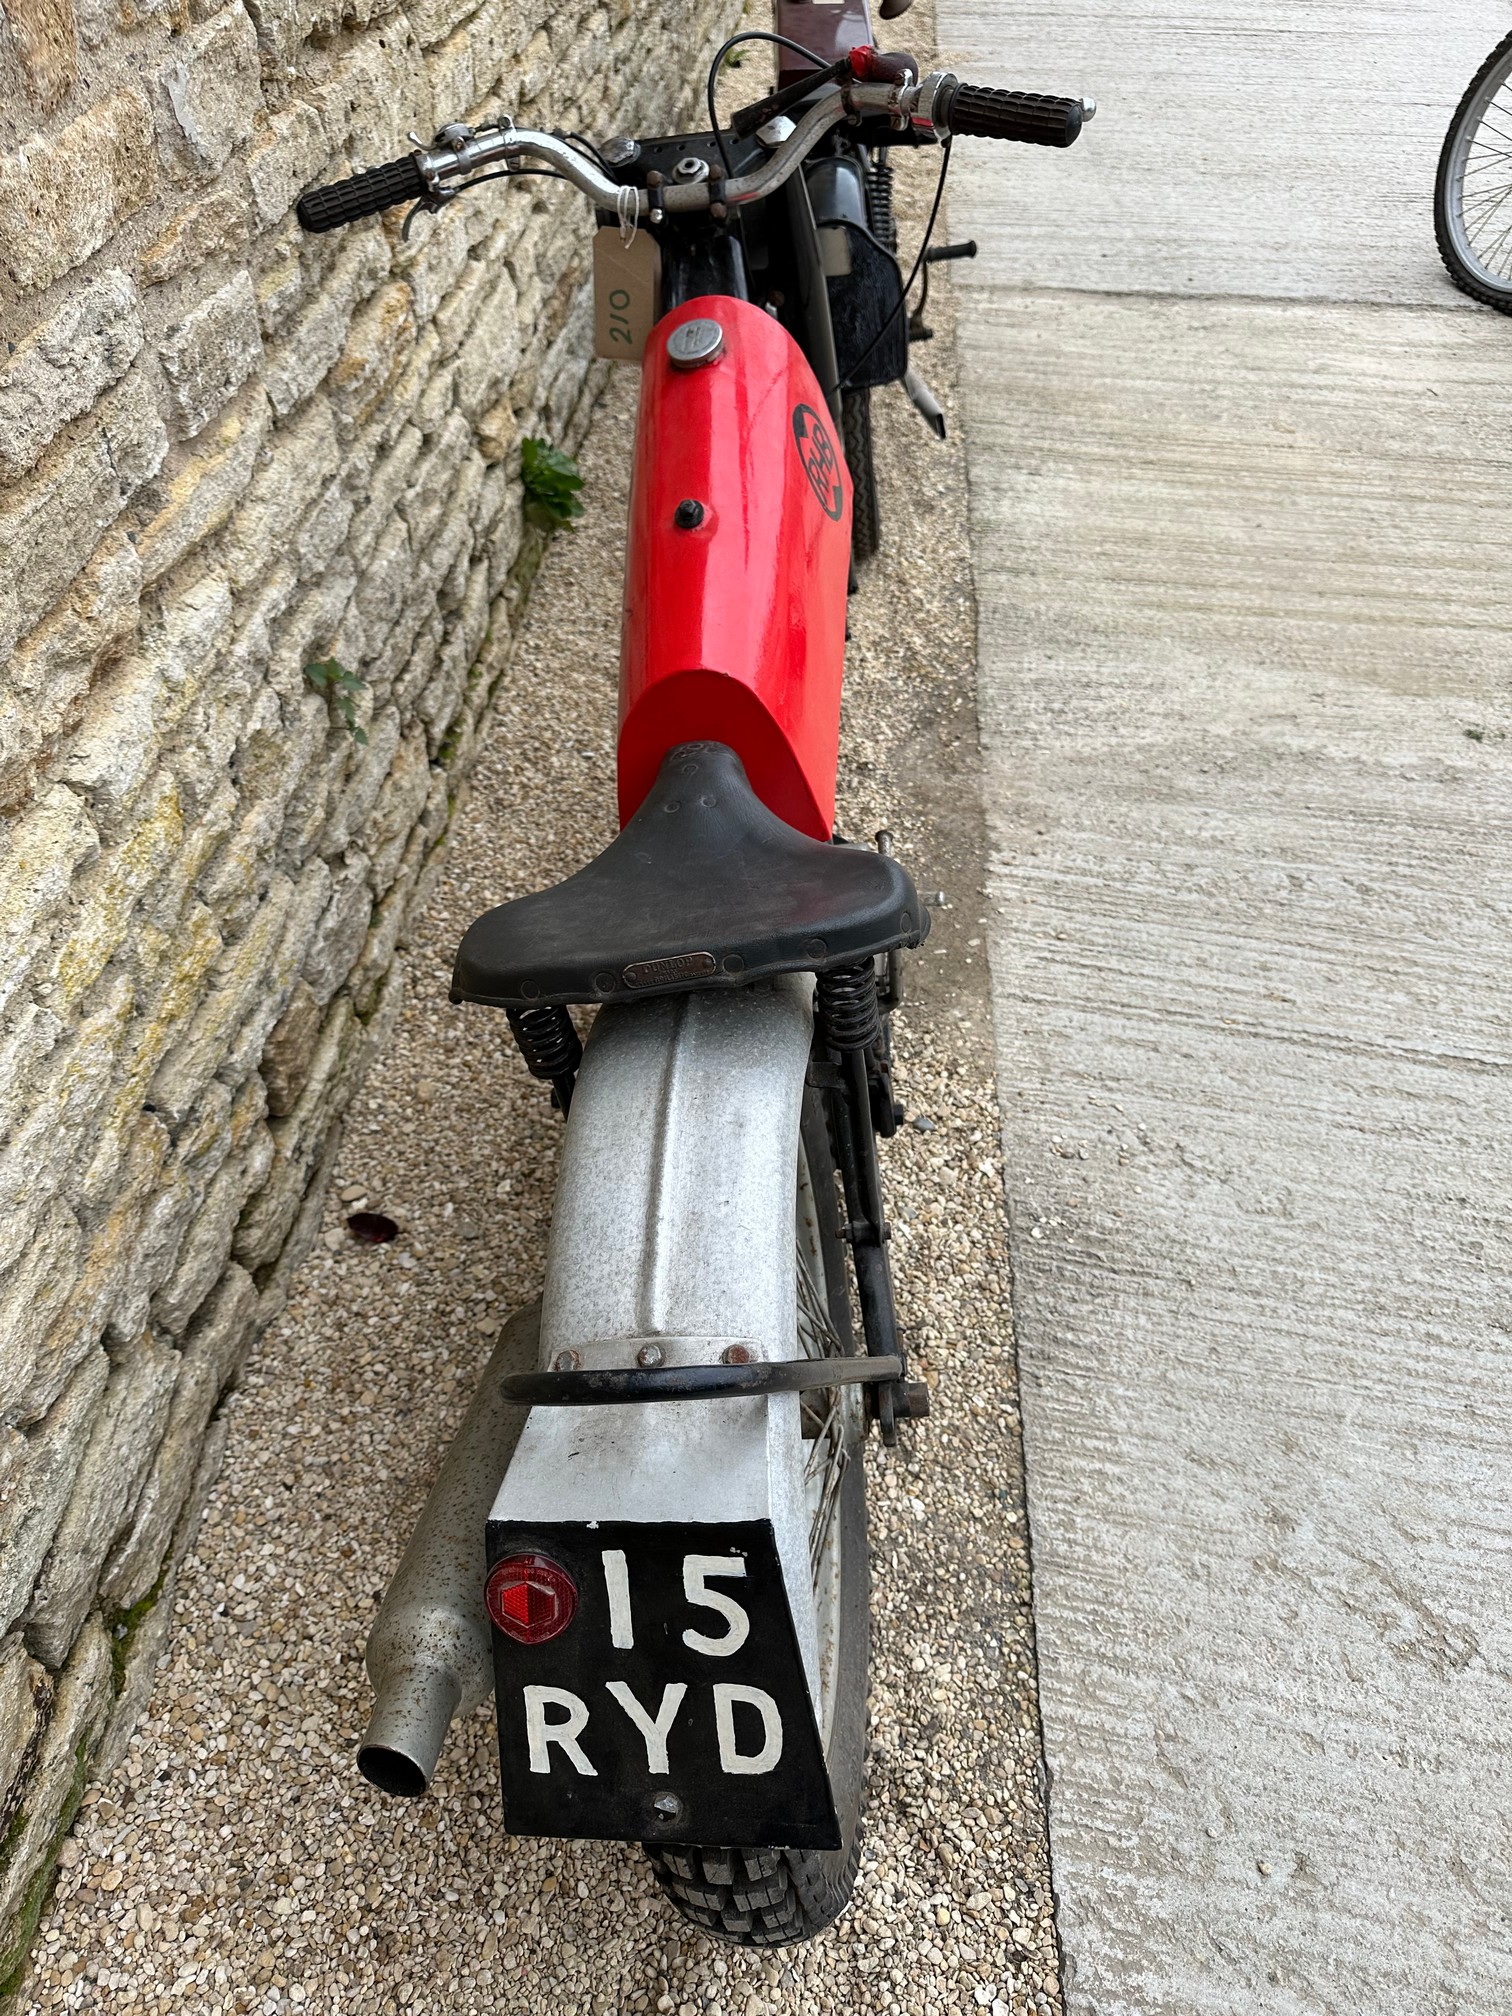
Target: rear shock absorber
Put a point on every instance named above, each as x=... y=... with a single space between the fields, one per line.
x=850 y=1023
x=879 y=200
x=850 y=1016
x=849 y=1011
x=550 y=1046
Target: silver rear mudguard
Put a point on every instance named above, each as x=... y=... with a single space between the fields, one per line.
x=674 y=1226
x=674 y=1229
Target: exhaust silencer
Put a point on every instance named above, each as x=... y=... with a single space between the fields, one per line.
x=429 y=1655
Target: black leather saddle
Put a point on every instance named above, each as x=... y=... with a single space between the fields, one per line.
x=704 y=888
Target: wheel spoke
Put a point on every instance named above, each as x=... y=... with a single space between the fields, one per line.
x=820 y=1530
x=824 y=1470
x=1483 y=217
x=1488 y=255
x=1484 y=203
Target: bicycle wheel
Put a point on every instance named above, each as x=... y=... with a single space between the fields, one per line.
x=778 y=1896
x=1472 y=197
x=866 y=513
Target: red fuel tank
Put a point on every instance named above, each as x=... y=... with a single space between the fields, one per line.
x=738 y=561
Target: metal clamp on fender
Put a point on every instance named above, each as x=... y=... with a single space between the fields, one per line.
x=604 y=1387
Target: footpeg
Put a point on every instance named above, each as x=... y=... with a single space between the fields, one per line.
x=919 y=330
x=911 y=1402
x=938 y=254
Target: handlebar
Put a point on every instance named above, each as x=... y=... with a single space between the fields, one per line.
x=362 y=195
x=432 y=175
x=1015 y=115
x=935 y=108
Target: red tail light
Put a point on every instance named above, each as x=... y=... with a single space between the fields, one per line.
x=530 y=1598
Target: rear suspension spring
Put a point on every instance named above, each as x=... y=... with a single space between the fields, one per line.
x=550 y=1046
x=879 y=200
x=849 y=1012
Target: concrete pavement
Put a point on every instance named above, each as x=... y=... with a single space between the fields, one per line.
x=1241 y=484
x=1282 y=151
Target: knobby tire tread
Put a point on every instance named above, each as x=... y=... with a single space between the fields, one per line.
x=772 y=1896
x=866 y=510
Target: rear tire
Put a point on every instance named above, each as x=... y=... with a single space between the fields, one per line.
x=866 y=513
x=779 y=1896
x=1475 y=247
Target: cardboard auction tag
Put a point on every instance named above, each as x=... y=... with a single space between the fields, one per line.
x=626 y=293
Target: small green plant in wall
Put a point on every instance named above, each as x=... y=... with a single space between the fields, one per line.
x=552 y=481
x=330 y=677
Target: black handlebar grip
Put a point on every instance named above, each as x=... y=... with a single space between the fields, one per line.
x=361 y=195
x=1014 y=115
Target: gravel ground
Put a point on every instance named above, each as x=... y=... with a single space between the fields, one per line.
x=236 y=1862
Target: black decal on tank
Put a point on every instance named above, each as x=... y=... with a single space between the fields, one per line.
x=821 y=465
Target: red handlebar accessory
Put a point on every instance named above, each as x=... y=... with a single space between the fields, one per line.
x=872 y=66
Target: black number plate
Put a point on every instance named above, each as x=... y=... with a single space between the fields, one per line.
x=674 y=1706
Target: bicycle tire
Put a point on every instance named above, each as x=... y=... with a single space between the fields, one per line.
x=866 y=511
x=766 y=1897
x=1464 y=268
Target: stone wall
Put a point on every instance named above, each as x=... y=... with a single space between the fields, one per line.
x=227 y=450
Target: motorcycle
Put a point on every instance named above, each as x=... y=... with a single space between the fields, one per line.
x=649 y=1536
x=1472 y=194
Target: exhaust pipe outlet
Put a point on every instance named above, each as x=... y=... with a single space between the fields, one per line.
x=430 y=1654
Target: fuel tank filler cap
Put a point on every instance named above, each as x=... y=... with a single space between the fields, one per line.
x=694 y=343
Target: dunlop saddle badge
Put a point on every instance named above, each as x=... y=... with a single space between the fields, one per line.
x=667 y=972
